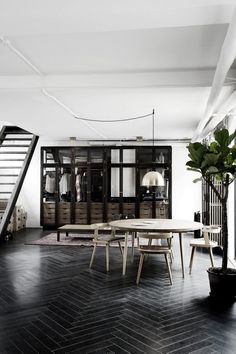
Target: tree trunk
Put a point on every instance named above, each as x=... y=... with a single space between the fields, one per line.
x=224 y=235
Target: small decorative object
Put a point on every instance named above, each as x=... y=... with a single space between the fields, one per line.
x=218 y=160
x=162 y=158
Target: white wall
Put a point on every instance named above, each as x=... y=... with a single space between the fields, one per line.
x=186 y=195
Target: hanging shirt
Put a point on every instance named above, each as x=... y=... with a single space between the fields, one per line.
x=78 y=187
x=50 y=184
x=64 y=184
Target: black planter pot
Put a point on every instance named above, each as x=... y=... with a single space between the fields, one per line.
x=222 y=285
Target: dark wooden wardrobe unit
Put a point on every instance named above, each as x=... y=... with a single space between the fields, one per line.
x=83 y=185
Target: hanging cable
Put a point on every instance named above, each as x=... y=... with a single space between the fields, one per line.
x=114 y=120
x=153 y=126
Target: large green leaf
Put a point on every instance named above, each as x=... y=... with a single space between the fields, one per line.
x=196 y=152
x=193 y=169
x=212 y=170
x=214 y=147
x=197 y=180
x=204 y=164
x=191 y=164
x=222 y=137
x=211 y=159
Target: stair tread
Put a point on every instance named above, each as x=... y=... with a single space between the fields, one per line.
x=14 y=129
x=17 y=139
x=13 y=145
x=9 y=167
x=13 y=152
x=12 y=160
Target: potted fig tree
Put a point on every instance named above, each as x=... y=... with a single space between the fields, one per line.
x=217 y=161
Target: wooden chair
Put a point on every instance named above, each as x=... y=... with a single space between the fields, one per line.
x=105 y=241
x=150 y=236
x=204 y=242
x=155 y=249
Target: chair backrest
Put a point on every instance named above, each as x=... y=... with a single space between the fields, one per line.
x=210 y=229
x=123 y=216
x=116 y=217
x=99 y=226
x=157 y=235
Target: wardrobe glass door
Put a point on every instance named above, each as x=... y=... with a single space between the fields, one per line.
x=49 y=195
x=81 y=184
x=65 y=187
x=96 y=195
x=129 y=191
x=113 y=206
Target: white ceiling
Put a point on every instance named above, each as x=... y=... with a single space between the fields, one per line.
x=111 y=59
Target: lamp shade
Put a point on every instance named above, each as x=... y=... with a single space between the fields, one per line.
x=153 y=178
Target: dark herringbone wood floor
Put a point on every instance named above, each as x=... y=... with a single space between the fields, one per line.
x=50 y=302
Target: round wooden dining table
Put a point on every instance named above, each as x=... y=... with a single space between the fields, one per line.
x=132 y=226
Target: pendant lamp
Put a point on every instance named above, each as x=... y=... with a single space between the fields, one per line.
x=153 y=178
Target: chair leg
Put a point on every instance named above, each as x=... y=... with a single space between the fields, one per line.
x=169 y=242
x=191 y=260
x=93 y=255
x=107 y=257
x=120 y=247
x=140 y=268
x=149 y=244
x=132 y=254
x=168 y=267
x=125 y=253
x=211 y=257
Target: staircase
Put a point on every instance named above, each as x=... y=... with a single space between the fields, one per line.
x=16 y=150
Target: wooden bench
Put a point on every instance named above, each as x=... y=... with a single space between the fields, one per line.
x=73 y=228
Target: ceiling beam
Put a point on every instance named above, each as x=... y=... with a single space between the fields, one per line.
x=172 y=78
x=56 y=17
x=227 y=109
x=226 y=59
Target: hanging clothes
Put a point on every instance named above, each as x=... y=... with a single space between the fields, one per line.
x=84 y=187
x=78 y=187
x=64 y=184
x=50 y=184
